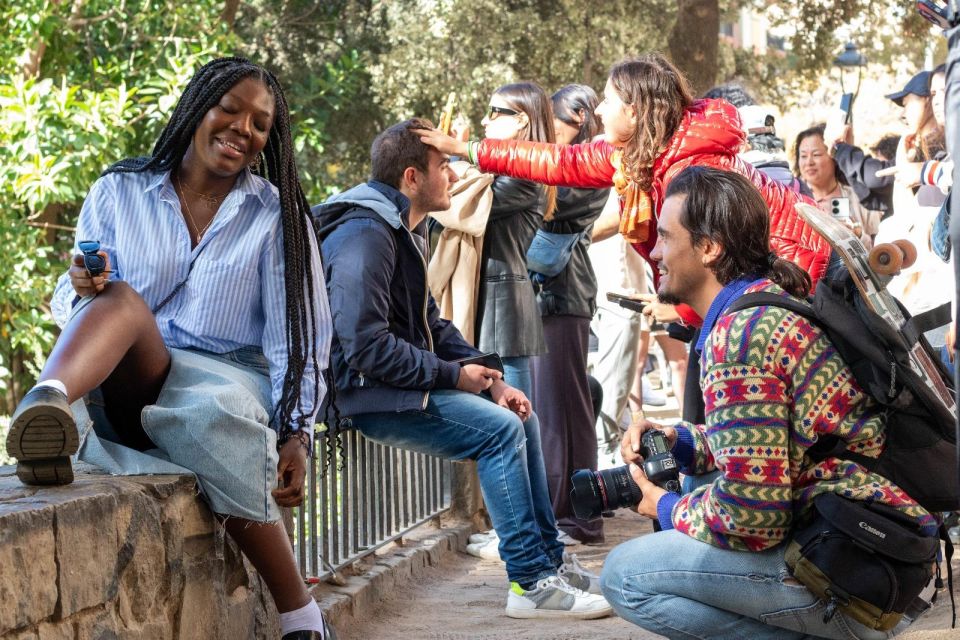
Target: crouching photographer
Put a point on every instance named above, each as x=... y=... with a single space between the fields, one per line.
x=743 y=553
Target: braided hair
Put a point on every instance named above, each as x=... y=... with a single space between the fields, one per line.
x=202 y=93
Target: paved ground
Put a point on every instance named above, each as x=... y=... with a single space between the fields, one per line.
x=464 y=599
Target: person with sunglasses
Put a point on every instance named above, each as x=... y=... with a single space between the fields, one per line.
x=196 y=328
x=508 y=317
x=653 y=129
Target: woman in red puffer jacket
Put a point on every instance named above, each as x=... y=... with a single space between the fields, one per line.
x=653 y=130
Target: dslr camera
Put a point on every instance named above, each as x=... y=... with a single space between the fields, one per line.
x=594 y=492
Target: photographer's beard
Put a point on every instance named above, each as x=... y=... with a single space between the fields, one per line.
x=669 y=298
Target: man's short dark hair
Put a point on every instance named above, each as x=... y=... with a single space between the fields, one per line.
x=396 y=149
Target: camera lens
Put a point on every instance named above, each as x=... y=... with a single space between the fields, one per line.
x=594 y=492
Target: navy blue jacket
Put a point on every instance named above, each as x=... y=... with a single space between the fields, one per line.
x=390 y=347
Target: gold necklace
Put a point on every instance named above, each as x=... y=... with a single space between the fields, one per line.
x=186 y=209
x=211 y=201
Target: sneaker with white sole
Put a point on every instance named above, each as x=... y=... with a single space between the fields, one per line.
x=577 y=575
x=483 y=536
x=553 y=597
x=566 y=539
x=651 y=396
x=486 y=550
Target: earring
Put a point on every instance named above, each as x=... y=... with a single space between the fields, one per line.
x=255 y=165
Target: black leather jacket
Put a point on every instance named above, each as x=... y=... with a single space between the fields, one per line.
x=860 y=171
x=573 y=292
x=508 y=320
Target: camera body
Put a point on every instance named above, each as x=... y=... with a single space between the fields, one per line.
x=594 y=492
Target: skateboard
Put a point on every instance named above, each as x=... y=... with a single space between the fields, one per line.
x=871 y=271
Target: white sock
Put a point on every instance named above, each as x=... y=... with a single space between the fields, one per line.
x=53 y=383
x=306 y=618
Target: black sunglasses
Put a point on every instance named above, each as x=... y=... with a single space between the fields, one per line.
x=495 y=112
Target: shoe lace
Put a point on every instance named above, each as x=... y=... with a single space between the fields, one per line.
x=571 y=564
x=561 y=583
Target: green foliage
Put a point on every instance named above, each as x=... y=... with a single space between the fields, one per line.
x=88 y=102
x=87 y=82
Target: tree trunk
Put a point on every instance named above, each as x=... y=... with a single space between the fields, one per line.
x=694 y=41
x=229 y=13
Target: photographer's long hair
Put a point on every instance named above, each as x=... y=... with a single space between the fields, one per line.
x=726 y=208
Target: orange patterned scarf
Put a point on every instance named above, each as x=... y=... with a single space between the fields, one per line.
x=637 y=213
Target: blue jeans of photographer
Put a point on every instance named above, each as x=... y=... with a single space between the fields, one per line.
x=682 y=588
x=459 y=425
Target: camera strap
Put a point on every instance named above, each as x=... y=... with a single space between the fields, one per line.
x=179 y=285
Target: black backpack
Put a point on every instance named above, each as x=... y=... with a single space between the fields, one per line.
x=921 y=449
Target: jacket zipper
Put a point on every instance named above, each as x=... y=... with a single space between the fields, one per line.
x=426 y=324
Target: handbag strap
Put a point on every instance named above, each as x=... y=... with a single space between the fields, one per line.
x=179 y=285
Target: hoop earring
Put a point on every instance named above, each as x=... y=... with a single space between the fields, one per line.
x=255 y=165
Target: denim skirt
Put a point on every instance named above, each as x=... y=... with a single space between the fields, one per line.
x=210 y=420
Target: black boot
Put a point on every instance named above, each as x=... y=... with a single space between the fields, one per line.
x=42 y=437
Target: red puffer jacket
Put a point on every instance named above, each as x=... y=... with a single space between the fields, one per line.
x=709 y=135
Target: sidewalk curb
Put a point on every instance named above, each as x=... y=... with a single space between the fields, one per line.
x=376 y=577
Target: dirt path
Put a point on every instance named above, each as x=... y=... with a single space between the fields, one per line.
x=464 y=600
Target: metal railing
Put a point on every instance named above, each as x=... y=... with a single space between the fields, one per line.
x=379 y=494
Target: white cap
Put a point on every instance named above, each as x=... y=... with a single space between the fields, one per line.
x=755 y=119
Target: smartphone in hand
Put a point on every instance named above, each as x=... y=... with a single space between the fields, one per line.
x=633 y=304
x=489 y=360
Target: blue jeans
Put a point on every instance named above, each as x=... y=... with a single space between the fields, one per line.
x=516 y=373
x=679 y=587
x=459 y=425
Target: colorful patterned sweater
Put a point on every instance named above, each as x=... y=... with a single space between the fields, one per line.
x=772 y=384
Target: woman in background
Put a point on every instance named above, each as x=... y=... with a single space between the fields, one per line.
x=813 y=164
x=561 y=393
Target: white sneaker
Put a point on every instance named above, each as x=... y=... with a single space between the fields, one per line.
x=483 y=536
x=553 y=597
x=651 y=396
x=486 y=550
x=577 y=575
x=566 y=539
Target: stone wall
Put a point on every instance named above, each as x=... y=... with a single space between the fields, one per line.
x=134 y=557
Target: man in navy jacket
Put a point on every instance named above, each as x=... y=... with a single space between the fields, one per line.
x=398 y=380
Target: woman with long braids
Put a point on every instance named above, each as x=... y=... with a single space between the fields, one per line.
x=653 y=129
x=201 y=346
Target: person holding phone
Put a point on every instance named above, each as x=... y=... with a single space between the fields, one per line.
x=404 y=376
x=205 y=334
x=813 y=164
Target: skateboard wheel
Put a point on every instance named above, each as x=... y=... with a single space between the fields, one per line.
x=886 y=259
x=909 y=252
